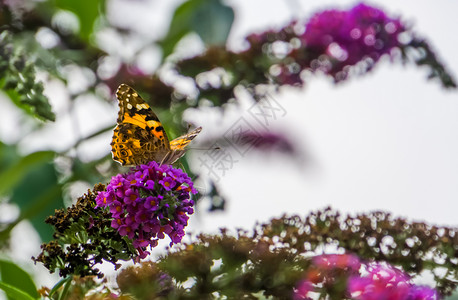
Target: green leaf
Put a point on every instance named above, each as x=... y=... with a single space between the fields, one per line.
x=87 y=12
x=37 y=196
x=32 y=182
x=65 y=290
x=18 y=78
x=210 y=19
x=12 y=175
x=59 y=284
x=213 y=22
x=16 y=282
x=15 y=293
x=454 y=296
x=36 y=105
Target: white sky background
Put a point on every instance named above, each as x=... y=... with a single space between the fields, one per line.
x=386 y=140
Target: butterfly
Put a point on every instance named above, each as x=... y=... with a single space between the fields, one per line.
x=139 y=136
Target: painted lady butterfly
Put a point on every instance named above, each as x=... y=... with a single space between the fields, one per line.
x=139 y=136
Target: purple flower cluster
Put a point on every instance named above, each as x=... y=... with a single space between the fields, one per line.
x=149 y=202
x=386 y=282
x=326 y=268
x=331 y=42
x=349 y=36
x=337 y=39
x=381 y=281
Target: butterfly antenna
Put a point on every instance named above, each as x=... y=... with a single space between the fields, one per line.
x=209 y=148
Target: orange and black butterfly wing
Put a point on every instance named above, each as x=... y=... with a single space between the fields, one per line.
x=139 y=136
x=178 y=146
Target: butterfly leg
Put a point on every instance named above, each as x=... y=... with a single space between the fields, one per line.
x=167 y=158
x=163 y=159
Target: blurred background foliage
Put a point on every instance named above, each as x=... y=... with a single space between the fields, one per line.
x=86 y=52
x=50 y=43
x=52 y=37
x=47 y=42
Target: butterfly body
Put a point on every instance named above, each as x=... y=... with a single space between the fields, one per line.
x=139 y=136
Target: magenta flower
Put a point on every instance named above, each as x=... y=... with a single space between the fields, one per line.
x=364 y=281
x=168 y=183
x=116 y=223
x=126 y=230
x=422 y=293
x=384 y=281
x=130 y=196
x=148 y=203
x=302 y=290
x=152 y=203
x=116 y=209
x=339 y=261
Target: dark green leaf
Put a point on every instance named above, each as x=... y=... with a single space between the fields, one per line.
x=18 y=80
x=210 y=19
x=12 y=175
x=59 y=284
x=14 y=293
x=16 y=282
x=213 y=22
x=36 y=105
x=37 y=196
